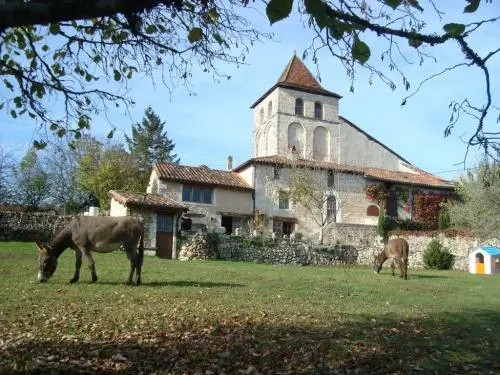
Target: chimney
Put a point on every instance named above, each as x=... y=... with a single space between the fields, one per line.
x=229 y=162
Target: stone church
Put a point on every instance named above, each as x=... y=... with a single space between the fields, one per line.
x=297 y=126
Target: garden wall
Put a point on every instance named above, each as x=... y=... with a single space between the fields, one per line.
x=352 y=244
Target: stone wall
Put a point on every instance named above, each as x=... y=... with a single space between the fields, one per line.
x=28 y=226
x=350 y=244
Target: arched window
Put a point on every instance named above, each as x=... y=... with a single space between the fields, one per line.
x=296 y=138
x=320 y=143
x=372 y=210
x=299 y=107
x=318 y=111
x=261 y=116
x=269 y=110
x=331 y=208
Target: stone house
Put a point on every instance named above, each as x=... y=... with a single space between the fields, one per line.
x=297 y=126
x=161 y=218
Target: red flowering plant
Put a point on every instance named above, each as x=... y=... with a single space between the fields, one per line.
x=376 y=192
x=426 y=207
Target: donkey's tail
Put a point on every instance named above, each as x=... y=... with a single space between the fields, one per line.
x=406 y=253
x=140 y=250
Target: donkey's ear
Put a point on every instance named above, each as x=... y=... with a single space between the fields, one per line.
x=41 y=246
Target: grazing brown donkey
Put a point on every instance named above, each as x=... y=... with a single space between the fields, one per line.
x=397 y=251
x=101 y=234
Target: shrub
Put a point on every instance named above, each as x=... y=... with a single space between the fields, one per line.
x=443 y=220
x=437 y=257
x=382 y=226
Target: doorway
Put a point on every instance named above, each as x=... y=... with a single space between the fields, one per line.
x=164 y=236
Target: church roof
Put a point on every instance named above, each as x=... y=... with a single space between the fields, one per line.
x=419 y=178
x=146 y=200
x=200 y=175
x=296 y=76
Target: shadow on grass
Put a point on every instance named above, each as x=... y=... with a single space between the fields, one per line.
x=465 y=343
x=417 y=276
x=179 y=283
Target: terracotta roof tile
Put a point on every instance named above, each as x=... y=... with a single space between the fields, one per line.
x=296 y=76
x=146 y=200
x=420 y=178
x=201 y=175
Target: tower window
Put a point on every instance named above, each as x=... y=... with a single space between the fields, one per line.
x=299 y=107
x=269 y=110
x=318 y=111
x=261 y=116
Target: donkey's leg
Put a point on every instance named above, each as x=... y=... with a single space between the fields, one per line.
x=400 y=265
x=132 y=257
x=90 y=259
x=78 y=265
x=392 y=268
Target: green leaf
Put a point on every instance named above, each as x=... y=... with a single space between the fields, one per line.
x=117 y=75
x=218 y=38
x=472 y=7
x=338 y=28
x=214 y=17
x=317 y=9
x=360 y=50
x=13 y=113
x=393 y=3
x=45 y=48
x=61 y=132
x=415 y=43
x=195 y=34
x=54 y=28
x=53 y=127
x=150 y=29
x=39 y=145
x=415 y=4
x=111 y=133
x=454 y=29
x=277 y=10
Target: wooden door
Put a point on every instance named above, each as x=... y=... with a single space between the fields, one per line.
x=164 y=236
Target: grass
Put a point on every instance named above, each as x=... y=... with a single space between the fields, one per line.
x=227 y=317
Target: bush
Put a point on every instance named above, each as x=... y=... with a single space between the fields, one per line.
x=443 y=220
x=437 y=257
x=382 y=226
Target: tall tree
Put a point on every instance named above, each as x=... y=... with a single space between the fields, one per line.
x=66 y=49
x=478 y=206
x=6 y=174
x=150 y=144
x=32 y=187
x=105 y=167
x=61 y=164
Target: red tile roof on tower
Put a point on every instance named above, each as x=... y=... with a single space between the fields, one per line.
x=200 y=175
x=419 y=178
x=146 y=200
x=296 y=76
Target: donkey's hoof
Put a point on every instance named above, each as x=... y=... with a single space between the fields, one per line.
x=93 y=280
x=73 y=280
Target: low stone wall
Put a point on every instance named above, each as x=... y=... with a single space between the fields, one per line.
x=360 y=248
x=28 y=226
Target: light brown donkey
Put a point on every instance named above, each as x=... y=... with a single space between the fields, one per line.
x=397 y=251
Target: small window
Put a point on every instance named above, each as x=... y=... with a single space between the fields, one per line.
x=318 y=111
x=283 y=200
x=197 y=194
x=261 y=116
x=269 y=110
x=299 y=107
x=372 y=210
x=276 y=173
x=287 y=227
x=330 y=179
x=331 y=208
x=277 y=226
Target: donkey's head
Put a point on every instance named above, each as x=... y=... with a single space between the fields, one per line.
x=47 y=262
x=378 y=261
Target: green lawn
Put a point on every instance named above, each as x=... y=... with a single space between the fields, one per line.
x=212 y=317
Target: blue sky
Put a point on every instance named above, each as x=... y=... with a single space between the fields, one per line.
x=217 y=121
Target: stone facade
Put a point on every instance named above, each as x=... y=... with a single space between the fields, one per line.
x=226 y=201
